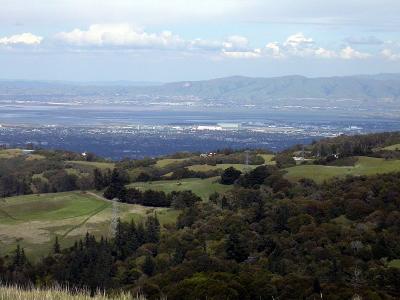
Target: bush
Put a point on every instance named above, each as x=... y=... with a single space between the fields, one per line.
x=230 y=175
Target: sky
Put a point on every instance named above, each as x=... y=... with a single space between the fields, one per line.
x=172 y=40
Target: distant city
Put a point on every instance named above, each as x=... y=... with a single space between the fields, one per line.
x=118 y=121
x=138 y=141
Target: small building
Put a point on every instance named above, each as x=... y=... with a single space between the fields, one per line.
x=27 y=151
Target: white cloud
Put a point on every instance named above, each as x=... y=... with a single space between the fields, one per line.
x=120 y=35
x=364 y=40
x=298 y=45
x=274 y=50
x=202 y=44
x=298 y=40
x=21 y=39
x=324 y=53
x=256 y=53
x=236 y=43
x=350 y=53
x=125 y=36
x=390 y=55
x=112 y=37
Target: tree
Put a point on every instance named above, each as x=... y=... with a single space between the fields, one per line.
x=152 y=233
x=19 y=259
x=98 y=179
x=148 y=266
x=230 y=175
x=257 y=176
x=133 y=196
x=116 y=189
x=284 y=160
x=236 y=248
x=184 y=199
x=56 y=247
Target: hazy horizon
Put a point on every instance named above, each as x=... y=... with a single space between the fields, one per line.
x=166 y=41
x=139 y=82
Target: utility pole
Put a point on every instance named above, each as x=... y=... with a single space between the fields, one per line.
x=247 y=161
x=114 y=217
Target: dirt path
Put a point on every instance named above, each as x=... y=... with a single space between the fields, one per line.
x=92 y=214
x=98 y=196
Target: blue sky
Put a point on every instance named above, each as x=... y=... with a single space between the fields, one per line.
x=161 y=40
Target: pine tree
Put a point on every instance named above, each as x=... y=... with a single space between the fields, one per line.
x=56 y=247
x=19 y=258
x=120 y=239
x=148 y=266
x=140 y=234
x=152 y=229
x=132 y=240
x=236 y=248
x=116 y=188
x=98 y=179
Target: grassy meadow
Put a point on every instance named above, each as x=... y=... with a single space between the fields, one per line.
x=201 y=187
x=34 y=221
x=92 y=164
x=364 y=166
x=16 y=293
x=395 y=147
x=205 y=168
x=161 y=163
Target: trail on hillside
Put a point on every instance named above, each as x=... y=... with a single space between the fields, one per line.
x=92 y=214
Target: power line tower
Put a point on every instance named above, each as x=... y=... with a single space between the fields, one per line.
x=114 y=217
x=247 y=161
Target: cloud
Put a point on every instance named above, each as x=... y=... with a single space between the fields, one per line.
x=390 y=55
x=298 y=45
x=115 y=37
x=324 y=53
x=201 y=44
x=21 y=39
x=298 y=40
x=126 y=36
x=256 y=53
x=364 y=40
x=120 y=35
x=350 y=53
x=274 y=50
x=236 y=43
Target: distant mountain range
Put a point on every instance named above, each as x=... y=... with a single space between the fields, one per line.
x=260 y=89
x=361 y=87
x=364 y=94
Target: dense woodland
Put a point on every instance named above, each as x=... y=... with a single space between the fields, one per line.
x=266 y=238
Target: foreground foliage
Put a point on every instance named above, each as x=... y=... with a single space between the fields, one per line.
x=266 y=238
x=16 y=293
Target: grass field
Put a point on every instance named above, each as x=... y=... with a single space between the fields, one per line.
x=205 y=168
x=17 y=293
x=395 y=263
x=202 y=187
x=10 y=153
x=34 y=221
x=364 y=166
x=395 y=147
x=167 y=161
x=268 y=159
x=242 y=167
x=93 y=164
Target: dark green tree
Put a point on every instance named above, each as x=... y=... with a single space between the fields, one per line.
x=152 y=228
x=230 y=175
x=236 y=248
x=56 y=247
x=148 y=266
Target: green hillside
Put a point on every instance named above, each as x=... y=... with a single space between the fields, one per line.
x=35 y=220
x=364 y=166
x=202 y=187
